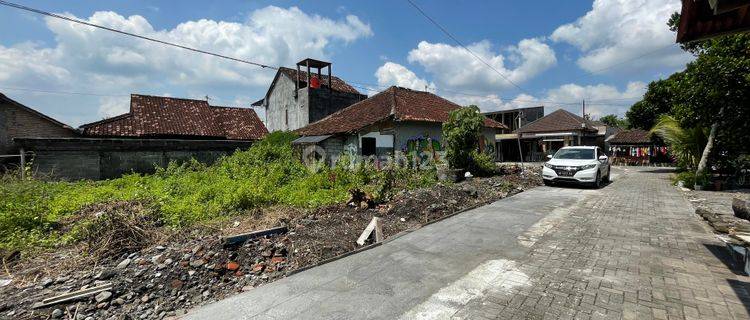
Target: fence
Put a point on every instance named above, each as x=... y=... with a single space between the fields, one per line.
x=21 y=154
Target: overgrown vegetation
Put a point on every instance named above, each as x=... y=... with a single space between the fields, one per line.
x=707 y=103
x=462 y=132
x=37 y=213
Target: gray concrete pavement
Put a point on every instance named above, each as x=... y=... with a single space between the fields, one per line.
x=632 y=250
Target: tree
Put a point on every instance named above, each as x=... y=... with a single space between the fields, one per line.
x=462 y=132
x=613 y=120
x=710 y=95
x=686 y=145
x=658 y=100
x=714 y=90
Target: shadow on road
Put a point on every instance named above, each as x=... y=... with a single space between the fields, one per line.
x=573 y=185
x=742 y=290
x=722 y=253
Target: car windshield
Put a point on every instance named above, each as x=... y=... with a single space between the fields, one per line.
x=575 y=154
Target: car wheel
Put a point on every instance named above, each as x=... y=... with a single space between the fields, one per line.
x=547 y=182
x=597 y=181
x=606 y=178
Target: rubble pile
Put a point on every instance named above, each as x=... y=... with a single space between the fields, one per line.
x=717 y=209
x=155 y=283
x=189 y=269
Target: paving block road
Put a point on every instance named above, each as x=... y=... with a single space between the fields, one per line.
x=631 y=250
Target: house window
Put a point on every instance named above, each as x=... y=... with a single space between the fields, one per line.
x=368 y=146
x=286 y=115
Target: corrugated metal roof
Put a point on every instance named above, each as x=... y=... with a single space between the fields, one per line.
x=310 y=139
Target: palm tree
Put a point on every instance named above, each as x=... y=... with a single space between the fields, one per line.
x=685 y=144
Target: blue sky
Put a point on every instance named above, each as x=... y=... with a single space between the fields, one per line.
x=557 y=52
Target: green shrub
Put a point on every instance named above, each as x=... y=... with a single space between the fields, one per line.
x=462 y=132
x=482 y=164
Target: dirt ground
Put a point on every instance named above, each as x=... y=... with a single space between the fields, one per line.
x=163 y=274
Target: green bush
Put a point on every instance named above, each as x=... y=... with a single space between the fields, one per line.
x=482 y=164
x=462 y=132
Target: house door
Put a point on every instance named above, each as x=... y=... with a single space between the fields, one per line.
x=368 y=146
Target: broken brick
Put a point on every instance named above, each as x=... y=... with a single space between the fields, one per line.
x=276 y=260
x=233 y=266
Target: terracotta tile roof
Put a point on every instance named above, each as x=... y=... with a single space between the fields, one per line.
x=152 y=116
x=336 y=83
x=635 y=136
x=560 y=120
x=399 y=103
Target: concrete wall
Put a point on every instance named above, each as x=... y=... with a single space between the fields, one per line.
x=281 y=101
x=324 y=102
x=306 y=108
x=94 y=159
x=18 y=122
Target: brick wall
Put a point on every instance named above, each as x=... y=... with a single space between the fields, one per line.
x=18 y=122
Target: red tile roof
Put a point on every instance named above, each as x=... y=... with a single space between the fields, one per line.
x=635 y=136
x=560 y=120
x=399 y=103
x=336 y=83
x=698 y=20
x=152 y=116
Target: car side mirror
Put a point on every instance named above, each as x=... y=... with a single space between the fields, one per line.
x=602 y=158
x=549 y=156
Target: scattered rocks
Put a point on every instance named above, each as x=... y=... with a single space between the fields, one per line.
x=57 y=313
x=103 y=296
x=124 y=263
x=741 y=208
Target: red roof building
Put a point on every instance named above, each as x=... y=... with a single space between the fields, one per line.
x=396 y=119
x=166 y=117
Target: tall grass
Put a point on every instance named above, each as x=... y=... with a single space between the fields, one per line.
x=182 y=194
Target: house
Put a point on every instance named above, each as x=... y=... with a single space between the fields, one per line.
x=291 y=103
x=156 y=131
x=394 y=120
x=167 y=117
x=637 y=147
x=547 y=134
x=705 y=19
x=18 y=120
x=516 y=118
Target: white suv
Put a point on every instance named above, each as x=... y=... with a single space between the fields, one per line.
x=585 y=165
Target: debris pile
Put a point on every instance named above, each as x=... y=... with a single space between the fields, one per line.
x=140 y=274
x=723 y=210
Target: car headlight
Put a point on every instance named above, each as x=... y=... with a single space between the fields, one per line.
x=548 y=165
x=588 y=166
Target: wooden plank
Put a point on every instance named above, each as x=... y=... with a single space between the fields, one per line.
x=72 y=296
x=244 y=237
x=374 y=225
x=744 y=237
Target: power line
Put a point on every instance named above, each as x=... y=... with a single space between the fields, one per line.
x=462 y=45
x=49 y=14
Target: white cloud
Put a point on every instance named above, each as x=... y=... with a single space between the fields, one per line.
x=390 y=74
x=601 y=99
x=456 y=68
x=87 y=59
x=618 y=30
x=113 y=106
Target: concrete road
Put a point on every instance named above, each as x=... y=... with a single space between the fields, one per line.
x=632 y=249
